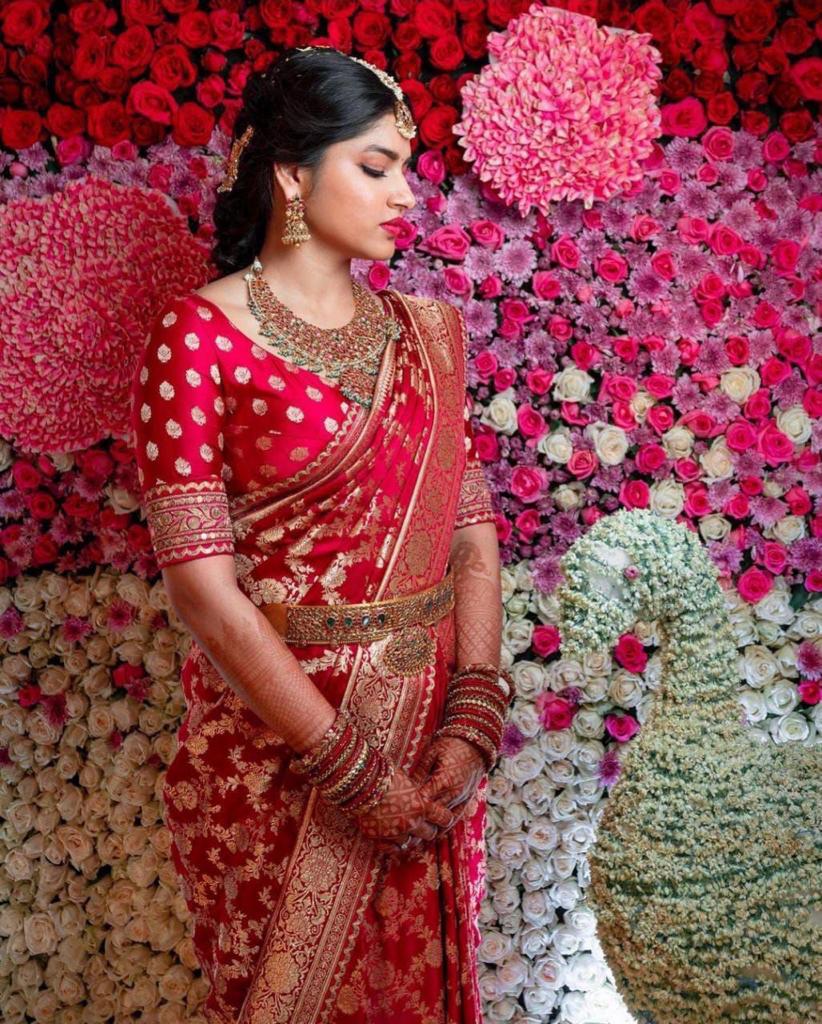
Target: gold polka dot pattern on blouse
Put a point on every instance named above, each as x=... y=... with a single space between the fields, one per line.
x=223 y=343
x=204 y=312
x=173 y=428
x=298 y=454
x=314 y=394
x=294 y=414
x=214 y=370
x=198 y=415
x=166 y=390
x=206 y=452
x=164 y=353
x=330 y=424
x=183 y=467
x=193 y=378
x=145 y=412
x=242 y=374
x=260 y=406
x=192 y=341
x=276 y=382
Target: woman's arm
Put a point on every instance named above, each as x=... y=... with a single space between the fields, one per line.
x=477 y=594
x=247 y=651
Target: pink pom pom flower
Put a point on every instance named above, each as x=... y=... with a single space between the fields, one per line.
x=565 y=110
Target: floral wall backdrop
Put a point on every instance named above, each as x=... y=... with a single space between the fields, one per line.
x=657 y=347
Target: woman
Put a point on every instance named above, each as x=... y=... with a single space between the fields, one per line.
x=325 y=533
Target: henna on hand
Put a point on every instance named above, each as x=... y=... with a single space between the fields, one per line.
x=454 y=770
x=405 y=813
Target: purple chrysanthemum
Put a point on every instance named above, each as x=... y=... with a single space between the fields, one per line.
x=512 y=741
x=609 y=768
x=767 y=511
x=809 y=660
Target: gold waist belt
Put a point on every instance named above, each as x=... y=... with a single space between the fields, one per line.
x=360 y=623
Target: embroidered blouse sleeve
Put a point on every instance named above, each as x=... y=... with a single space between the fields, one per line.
x=474 y=505
x=178 y=416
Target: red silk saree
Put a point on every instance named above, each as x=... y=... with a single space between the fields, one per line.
x=297 y=919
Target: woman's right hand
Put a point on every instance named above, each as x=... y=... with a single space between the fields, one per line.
x=404 y=817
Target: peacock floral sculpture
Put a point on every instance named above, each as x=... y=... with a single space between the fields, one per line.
x=706 y=866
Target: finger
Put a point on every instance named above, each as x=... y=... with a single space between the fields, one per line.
x=437 y=813
x=424 y=831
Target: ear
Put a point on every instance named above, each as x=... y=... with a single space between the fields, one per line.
x=290 y=178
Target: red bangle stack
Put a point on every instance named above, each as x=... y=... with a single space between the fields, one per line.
x=346 y=769
x=475 y=708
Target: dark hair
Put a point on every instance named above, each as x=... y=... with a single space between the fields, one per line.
x=300 y=105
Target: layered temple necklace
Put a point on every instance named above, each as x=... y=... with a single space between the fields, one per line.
x=349 y=355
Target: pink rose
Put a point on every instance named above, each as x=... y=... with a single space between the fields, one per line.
x=621 y=727
x=531 y=423
x=775 y=147
x=644 y=227
x=457 y=281
x=545 y=640
x=670 y=182
x=545 y=285
x=707 y=174
x=554 y=712
x=487 y=445
x=660 y=418
x=712 y=312
x=738 y=507
x=754 y=584
x=565 y=252
x=626 y=348
x=724 y=241
x=635 y=494
x=582 y=463
x=757 y=179
x=686 y=469
x=487 y=233
x=611 y=266
x=659 y=385
x=527 y=523
x=622 y=415
x=448 y=242
x=740 y=436
x=810 y=690
x=785 y=254
x=539 y=380
x=650 y=457
x=696 y=499
x=773 y=371
x=485 y=363
x=504 y=378
x=775 y=446
x=560 y=328
x=528 y=483
x=379 y=275
x=693 y=229
x=718 y=143
x=685 y=119
x=516 y=310
x=490 y=287
x=431 y=166
x=775 y=557
x=663 y=264
x=618 y=386
x=584 y=355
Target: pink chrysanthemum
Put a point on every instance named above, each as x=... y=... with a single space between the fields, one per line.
x=85 y=272
x=565 y=110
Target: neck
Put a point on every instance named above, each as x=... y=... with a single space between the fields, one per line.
x=310 y=280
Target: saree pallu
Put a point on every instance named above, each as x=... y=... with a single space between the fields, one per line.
x=297 y=918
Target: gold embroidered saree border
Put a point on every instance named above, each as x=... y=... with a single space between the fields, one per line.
x=188 y=519
x=475 y=499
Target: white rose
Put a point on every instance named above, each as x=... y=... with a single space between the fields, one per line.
x=494 y=948
x=714 y=527
x=586 y=972
x=542 y=836
x=563 y=806
x=537 y=909
x=667 y=498
x=516 y=635
x=524 y=716
x=788 y=529
x=781 y=697
x=582 y=920
x=549 y=971
x=563 y=864
x=610 y=443
x=589 y=723
x=536 y=794
x=533 y=941
x=739 y=383
x=535 y=874
x=577 y=836
x=595 y=689
x=566 y=893
x=558 y=744
x=792 y=728
x=566 y=941
x=678 y=442
x=539 y=1002
x=508 y=583
x=513 y=974
x=40 y=933
x=596 y=664
x=517 y=606
x=521 y=767
x=501 y=413
x=775 y=607
x=512 y=848
x=625 y=689
x=753 y=703
x=572 y=385
x=529 y=679
x=641 y=403
x=796 y=423
x=556 y=446
x=807 y=625
x=758 y=665
x=561 y=773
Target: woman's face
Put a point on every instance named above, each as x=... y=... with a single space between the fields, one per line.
x=357 y=188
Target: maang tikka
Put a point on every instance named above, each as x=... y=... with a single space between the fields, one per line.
x=402 y=116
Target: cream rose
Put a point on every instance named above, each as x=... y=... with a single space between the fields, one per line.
x=789 y=529
x=795 y=423
x=792 y=728
x=678 y=442
x=759 y=666
x=556 y=446
x=640 y=404
x=625 y=689
x=739 y=383
x=717 y=461
x=572 y=385
x=714 y=527
x=610 y=443
x=567 y=497
x=667 y=498
x=40 y=933
x=501 y=413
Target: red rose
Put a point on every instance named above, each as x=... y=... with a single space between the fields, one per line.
x=545 y=640
x=684 y=119
x=798 y=500
x=630 y=653
x=474 y=35
x=194 y=28
x=797 y=125
x=89 y=56
x=754 y=21
x=23 y=21
x=650 y=457
x=635 y=494
x=20 y=129
x=722 y=108
x=132 y=49
x=654 y=18
x=446 y=52
x=228 y=29
x=210 y=91
x=718 y=143
x=487 y=445
x=554 y=712
x=754 y=584
x=64 y=121
x=370 y=30
x=807 y=75
x=171 y=68
x=108 y=123
x=755 y=121
x=192 y=125
x=433 y=19
x=704 y=25
x=406 y=37
x=738 y=507
x=152 y=102
x=435 y=127
x=142 y=12
x=660 y=418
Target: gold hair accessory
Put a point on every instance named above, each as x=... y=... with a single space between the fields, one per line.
x=402 y=114
x=232 y=164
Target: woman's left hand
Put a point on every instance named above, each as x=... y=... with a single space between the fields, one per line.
x=456 y=769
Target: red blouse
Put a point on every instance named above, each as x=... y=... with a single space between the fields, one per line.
x=218 y=416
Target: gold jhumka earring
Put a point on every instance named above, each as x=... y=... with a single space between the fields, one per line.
x=296 y=230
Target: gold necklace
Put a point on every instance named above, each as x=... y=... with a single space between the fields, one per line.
x=349 y=355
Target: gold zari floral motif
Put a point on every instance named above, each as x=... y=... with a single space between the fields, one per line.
x=188 y=519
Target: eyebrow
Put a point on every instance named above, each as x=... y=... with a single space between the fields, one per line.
x=387 y=152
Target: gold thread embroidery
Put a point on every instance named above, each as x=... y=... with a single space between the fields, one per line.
x=186 y=520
